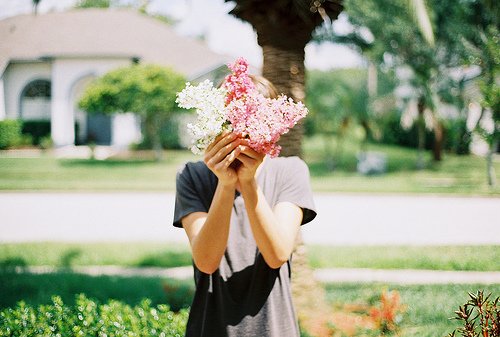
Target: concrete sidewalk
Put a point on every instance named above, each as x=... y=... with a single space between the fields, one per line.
x=335 y=275
x=343 y=219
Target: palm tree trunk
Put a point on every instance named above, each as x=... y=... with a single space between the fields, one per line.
x=492 y=181
x=286 y=70
x=421 y=134
x=437 y=149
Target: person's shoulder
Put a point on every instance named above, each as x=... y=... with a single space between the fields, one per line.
x=287 y=163
x=193 y=168
x=198 y=166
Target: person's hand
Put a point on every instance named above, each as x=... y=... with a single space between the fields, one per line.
x=250 y=162
x=220 y=155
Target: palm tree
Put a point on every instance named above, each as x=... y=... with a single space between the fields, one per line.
x=283 y=28
x=35 y=6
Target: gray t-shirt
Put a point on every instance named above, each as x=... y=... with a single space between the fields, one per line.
x=244 y=297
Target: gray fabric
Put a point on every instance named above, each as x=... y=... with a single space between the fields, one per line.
x=244 y=297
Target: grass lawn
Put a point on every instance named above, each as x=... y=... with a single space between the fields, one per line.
x=465 y=175
x=48 y=173
x=480 y=258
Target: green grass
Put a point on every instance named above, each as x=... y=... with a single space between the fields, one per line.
x=465 y=175
x=51 y=174
x=481 y=258
x=86 y=254
x=428 y=307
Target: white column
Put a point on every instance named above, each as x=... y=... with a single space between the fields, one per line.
x=62 y=118
x=3 y=114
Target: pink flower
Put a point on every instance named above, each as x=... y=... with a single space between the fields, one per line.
x=260 y=119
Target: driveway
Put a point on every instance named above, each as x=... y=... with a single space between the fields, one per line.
x=342 y=219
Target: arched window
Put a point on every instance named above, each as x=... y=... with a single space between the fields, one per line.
x=35 y=100
x=37 y=89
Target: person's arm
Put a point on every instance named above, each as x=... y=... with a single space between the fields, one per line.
x=208 y=232
x=274 y=230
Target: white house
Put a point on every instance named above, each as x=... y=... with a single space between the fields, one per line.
x=47 y=60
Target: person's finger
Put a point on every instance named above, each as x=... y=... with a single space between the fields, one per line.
x=220 y=155
x=247 y=150
x=246 y=160
x=228 y=160
x=219 y=144
x=216 y=140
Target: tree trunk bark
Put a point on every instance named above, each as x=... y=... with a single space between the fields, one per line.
x=437 y=149
x=492 y=181
x=421 y=134
x=286 y=70
x=153 y=124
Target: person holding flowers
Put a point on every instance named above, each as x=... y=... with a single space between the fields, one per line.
x=242 y=207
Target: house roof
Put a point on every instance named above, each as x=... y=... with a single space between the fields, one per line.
x=103 y=33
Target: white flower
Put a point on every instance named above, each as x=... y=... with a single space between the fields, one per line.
x=209 y=103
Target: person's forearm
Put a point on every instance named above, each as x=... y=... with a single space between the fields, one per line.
x=210 y=243
x=274 y=241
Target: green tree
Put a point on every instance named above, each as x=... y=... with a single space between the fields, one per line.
x=93 y=4
x=35 y=6
x=387 y=35
x=149 y=90
x=336 y=99
x=480 y=35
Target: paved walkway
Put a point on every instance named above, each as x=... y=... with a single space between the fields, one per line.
x=343 y=219
x=324 y=275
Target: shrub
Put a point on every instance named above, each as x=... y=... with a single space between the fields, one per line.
x=456 y=136
x=89 y=318
x=480 y=316
x=393 y=133
x=38 y=129
x=10 y=133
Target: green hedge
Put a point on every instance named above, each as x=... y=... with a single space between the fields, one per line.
x=10 y=133
x=38 y=129
x=456 y=136
x=89 y=318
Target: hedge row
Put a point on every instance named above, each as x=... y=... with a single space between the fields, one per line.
x=10 y=133
x=457 y=137
x=89 y=318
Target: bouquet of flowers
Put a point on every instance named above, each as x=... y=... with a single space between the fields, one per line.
x=239 y=107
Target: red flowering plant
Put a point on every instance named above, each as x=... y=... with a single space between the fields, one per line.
x=239 y=107
x=388 y=315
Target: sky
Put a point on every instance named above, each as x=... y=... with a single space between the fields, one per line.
x=223 y=33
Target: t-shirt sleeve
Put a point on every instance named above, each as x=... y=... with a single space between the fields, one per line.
x=187 y=197
x=296 y=188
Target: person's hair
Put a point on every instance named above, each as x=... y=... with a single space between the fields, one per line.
x=264 y=86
